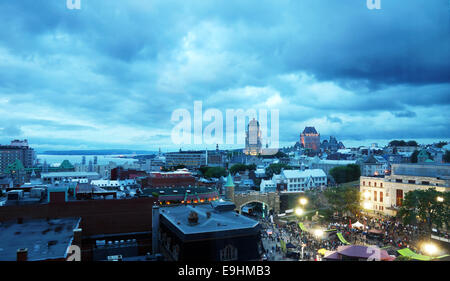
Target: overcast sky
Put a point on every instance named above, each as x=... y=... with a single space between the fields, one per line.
x=111 y=74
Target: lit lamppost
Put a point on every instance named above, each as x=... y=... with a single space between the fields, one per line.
x=440 y=199
x=430 y=249
x=299 y=211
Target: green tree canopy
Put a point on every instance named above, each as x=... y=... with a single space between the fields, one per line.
x=276 y=169
x=348 y=173
x=402 y=143
x=241 y=168
x=446 y=157
x=342 y=199
x=423 y=204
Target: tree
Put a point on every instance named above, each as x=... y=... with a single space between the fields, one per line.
x=441 y=144
x=276 y=169
x=241 y=168
x=347 y=173
x=423 y=204
x=414 y=156
x=215 y=172
x=446 y=157
x=343 y=199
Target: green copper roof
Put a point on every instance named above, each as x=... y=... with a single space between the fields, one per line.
x=229 y=181
x=66 y=165
x=16 y=166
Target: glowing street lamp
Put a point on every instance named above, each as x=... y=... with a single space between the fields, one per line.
x=299 y=211
x=367 y=205
x=440 y=199
x=367 y=194
x=303 y=201
x=430 y=249
x=318 y=233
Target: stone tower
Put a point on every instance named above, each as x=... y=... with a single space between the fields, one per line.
x=229 y=188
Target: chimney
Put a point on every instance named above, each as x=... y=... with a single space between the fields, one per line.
x=22 y=254
x=155 y=229
x=77 y=236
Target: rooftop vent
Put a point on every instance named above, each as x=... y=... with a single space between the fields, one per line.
x=193 y=218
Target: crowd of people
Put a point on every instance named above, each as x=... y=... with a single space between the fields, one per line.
x=387 y=233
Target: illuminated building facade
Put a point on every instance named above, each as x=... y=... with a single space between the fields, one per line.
x=310 y=139
x=253 y=143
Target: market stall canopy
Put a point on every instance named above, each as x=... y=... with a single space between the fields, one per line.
x=357 y=225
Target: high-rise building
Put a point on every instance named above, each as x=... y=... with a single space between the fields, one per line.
x=189 y=159
x=17 y=150
x=253 y=144
x=310 y=139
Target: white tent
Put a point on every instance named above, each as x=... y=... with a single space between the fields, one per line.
x=357 y=224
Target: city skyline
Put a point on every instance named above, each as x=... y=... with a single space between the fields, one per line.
x=110 y=74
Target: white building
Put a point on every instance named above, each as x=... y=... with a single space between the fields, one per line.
x=298 y=180
x=68 y=176
x=267 y=186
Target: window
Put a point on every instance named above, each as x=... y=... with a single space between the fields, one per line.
x=398 y=180
x=364 y=183
x=375 y=184
x=412 y=181
x=381 y=184
x=369 y=183
x=399 y=197
x=425 y=182
x=381 y=197
x=374 y=196
x=229 y=253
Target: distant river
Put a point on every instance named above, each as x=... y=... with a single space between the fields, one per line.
x=76 y=159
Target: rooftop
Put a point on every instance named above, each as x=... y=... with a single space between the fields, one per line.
x=220 y=223
x=69 y=174
x=304 y=174
x=43 y=239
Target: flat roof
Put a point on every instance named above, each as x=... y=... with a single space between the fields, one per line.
x=68 y=174
x=227 y=222
x=43 y=239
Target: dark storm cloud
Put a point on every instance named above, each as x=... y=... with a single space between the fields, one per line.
x=114 y=71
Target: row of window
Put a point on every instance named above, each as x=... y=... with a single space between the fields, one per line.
x=304 y=179
x=374 y=184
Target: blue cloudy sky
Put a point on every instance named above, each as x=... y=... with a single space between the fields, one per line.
x=111 y=74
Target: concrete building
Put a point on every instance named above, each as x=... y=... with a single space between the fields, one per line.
x=267 y=186
x=374 y=165
x=209 y=232
x=384 y=195
x=17 y=150
x=38 y=239
x=253 y=142
x=190 y=159
x=68 y=176
x=298 y=180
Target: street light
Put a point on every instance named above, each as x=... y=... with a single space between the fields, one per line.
x=299 y=211
x=318 y=233
x=440 y=199
x=367 y=194
x=303 y=201
x=367 y=205
x=430 y=249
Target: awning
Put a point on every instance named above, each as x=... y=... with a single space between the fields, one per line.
x=410 y=254
x=342 y=239
x=302 y=227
